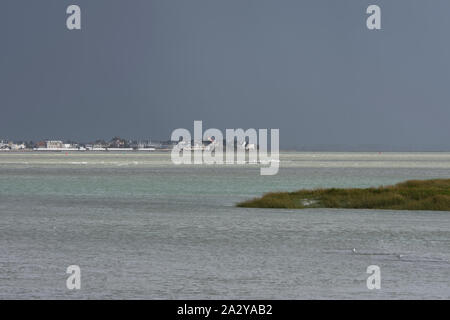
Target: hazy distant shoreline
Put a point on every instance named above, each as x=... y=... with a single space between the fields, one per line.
x=168 y=150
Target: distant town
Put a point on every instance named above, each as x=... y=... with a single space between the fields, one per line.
x=115 y=144
x=120 y=144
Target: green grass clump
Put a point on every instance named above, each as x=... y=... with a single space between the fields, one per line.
x=410 y=195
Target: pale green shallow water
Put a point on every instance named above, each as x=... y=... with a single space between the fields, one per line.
x=140 y=227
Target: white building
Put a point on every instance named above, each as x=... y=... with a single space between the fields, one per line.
x=54 y=144
x=14 y=146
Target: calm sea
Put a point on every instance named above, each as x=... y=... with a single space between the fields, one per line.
x=140 y=227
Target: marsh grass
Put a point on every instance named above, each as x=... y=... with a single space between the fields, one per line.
x=410 y=195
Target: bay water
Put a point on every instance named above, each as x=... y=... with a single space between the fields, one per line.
x=141 y=227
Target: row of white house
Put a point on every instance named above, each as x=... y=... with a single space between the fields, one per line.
x=56 y=145
x=7 y=145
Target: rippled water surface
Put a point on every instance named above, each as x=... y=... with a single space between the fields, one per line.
x=140 y=227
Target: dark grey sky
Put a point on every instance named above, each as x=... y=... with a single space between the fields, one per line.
x=311 y=68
